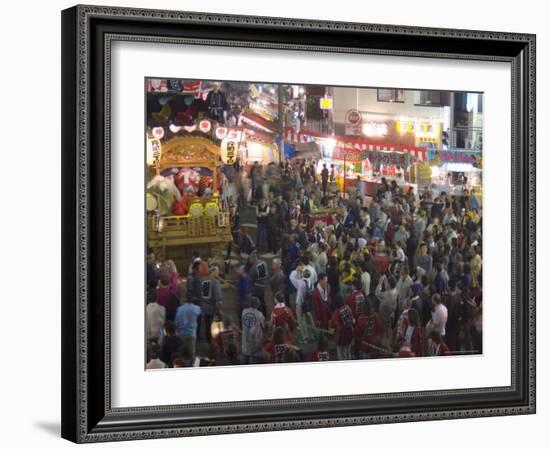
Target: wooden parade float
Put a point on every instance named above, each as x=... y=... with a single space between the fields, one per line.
x=199 y=220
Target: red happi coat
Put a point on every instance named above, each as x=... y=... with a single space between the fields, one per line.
x=401 y=327
x=353 y=300
x=224 y=338
x=319 y=356
x=441 y=349
x=368 y=331
x=343 y=322
x=321 y=309
x=416 y=340
x=282 y=316
x=276 y=352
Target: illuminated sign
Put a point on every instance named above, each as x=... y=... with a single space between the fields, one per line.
x=353 y=117
x=419 y=128
x=374 y=129
x=325 y=102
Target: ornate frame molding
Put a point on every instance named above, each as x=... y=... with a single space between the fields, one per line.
x=78 y=213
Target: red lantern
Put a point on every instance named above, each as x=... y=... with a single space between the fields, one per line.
x=205 y=126
x=158 y=132
x=221 y=132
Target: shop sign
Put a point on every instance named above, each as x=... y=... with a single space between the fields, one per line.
x=401 y=160
x=375 y=129
x=353 y=122
x=424 y=173
x=455 y=156
x=229 y=151
x=420 y=129
x=325 y=102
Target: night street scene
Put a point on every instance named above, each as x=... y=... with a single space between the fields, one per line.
x=303 y=223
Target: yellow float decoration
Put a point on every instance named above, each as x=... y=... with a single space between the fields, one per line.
x=211 y=209
x=196 y=210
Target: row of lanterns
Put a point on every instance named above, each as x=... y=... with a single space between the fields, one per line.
x=204 y=126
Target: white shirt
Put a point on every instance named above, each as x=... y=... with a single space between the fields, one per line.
x=400 y=254
x=365 y=282
x=155 y=315
x=388 y=301
x=323 y=292
x=403 y=287
x=322 y=261
x=300 y=286
x=313 y=274
x=439 y=318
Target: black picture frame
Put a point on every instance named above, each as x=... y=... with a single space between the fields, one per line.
x=87 y=32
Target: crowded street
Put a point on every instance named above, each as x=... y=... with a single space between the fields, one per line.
x=277 y=233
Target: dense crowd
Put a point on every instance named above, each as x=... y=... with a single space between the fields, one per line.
x=329 y=275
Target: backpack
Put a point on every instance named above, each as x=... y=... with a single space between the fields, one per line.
x=307 y=305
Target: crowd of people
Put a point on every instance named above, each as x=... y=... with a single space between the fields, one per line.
x=318 y=290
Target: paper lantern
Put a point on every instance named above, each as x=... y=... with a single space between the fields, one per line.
x=216 y=327
x=158 y=132
x=221 y=132
x=205 y=126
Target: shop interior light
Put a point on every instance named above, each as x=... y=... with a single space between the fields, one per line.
x=329 y=144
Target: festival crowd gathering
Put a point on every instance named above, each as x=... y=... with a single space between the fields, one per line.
x=395 y=274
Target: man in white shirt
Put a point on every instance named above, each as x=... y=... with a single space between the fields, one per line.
x=155 y=316
x=388 y=302
x=301 y=279
x=403 y=284
x=365 y=282
x=312 y=273
x=439 y=316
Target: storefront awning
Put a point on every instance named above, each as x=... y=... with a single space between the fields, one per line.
x=419 y=153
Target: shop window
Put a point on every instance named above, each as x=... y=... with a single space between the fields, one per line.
x=428 y=98
x=391 y=95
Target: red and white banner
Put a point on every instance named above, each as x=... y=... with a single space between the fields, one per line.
x=362 y=145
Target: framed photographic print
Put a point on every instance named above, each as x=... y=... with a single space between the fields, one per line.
x=276 y=224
